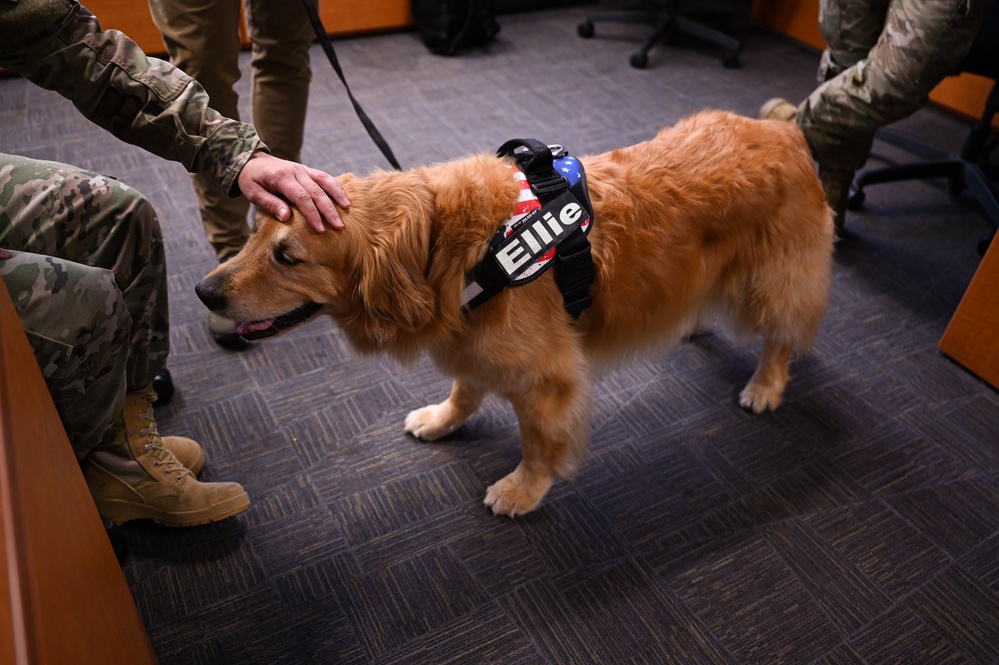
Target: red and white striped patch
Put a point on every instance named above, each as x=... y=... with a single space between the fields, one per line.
x=526 y=203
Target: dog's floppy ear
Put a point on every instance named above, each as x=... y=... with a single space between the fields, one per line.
x=393 y=284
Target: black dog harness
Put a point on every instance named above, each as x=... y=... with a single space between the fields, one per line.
x=551 y=220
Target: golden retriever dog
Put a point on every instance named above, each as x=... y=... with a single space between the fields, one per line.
x=718 y=216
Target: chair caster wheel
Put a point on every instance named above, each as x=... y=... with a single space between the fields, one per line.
x=585 y=29
x=639 y=60
x=730 y=60
x=855 y=201
x=163 y=385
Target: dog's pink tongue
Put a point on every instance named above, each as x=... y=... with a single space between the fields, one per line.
x=252 y=326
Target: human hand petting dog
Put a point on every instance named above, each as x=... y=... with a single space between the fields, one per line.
x=266 y=178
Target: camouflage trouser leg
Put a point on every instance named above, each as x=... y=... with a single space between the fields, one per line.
x=78 y=327
x=79 y=217
x=883 y=59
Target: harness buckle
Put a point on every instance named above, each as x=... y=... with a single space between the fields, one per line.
x=550 y=185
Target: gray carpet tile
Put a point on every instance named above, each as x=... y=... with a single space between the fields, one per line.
x=858 y=524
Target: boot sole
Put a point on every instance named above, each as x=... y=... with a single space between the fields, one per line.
x=120 y=512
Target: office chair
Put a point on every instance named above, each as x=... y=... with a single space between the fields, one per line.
x=970 y=168
x=668 y=21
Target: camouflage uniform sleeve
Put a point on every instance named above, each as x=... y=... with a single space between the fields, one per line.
x=142 y=100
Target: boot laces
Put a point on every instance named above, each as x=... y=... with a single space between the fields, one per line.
x=154 y=445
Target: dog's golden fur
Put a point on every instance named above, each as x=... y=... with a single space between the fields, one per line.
x=718 y=215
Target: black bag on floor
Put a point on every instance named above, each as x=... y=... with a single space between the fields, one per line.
x=447 y=26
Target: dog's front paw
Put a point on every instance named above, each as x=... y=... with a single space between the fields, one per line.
x=517 y=493
x=759 y=398
x=431 y=422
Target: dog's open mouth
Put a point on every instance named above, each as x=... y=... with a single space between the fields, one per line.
x=269 y=327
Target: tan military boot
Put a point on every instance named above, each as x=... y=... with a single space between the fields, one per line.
x=778 y=109
x=141 y=479
x=187 y=451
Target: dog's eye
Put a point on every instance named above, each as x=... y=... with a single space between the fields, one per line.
x=282 y=256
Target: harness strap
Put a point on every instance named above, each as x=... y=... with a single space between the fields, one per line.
x=535 y=160
x=573 y=256
x=485 y=281
x=574 y=274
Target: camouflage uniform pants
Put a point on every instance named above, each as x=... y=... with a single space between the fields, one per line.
x=88 y=279
x=883 y=58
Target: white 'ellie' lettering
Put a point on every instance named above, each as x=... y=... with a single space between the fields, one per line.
x=512 y=255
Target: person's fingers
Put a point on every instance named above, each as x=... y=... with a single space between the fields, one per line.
x=305 y=201
x=265 y=180
x=331 y=186
x=317 y=200
x=4 y=253
x=275 y=205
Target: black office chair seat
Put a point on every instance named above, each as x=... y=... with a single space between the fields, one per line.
x=667 y=21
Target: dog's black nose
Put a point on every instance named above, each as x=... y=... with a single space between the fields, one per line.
x=210 y=294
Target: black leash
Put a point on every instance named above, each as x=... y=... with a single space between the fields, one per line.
x=324 y=40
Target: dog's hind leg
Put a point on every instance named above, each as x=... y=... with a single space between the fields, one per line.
x=785 y=306
x=433 y=422
x=766 y=387
x=555 y=437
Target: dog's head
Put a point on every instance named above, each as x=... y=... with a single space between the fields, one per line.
x=370 y=276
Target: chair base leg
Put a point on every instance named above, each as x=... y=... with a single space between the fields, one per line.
x=666 y=23
x=961 y=175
